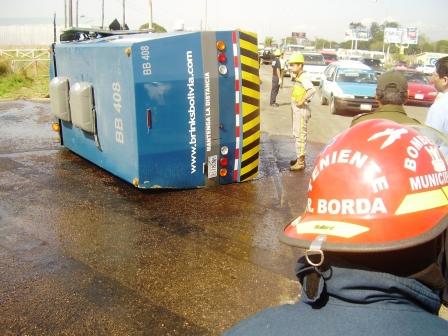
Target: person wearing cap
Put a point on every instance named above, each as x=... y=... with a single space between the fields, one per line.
x=276 y=77
x=302 y=92
x=391 y=93
x=372 y=231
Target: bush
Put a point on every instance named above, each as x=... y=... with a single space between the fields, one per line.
x=5 y=67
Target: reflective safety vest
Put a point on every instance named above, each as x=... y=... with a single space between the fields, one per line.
x=298 y=91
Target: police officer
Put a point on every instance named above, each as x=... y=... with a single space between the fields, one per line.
x=371 y=232
x=276 y=77
x=302 y=92
x=391 y=93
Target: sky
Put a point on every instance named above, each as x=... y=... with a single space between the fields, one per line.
x=327 y=19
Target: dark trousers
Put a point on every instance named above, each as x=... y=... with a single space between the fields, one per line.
x=274 y=90
x=443 y=262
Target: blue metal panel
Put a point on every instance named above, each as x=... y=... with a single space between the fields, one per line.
x=171 y=151
x=109 y=69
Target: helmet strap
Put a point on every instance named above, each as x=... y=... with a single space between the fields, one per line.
x=316 y=250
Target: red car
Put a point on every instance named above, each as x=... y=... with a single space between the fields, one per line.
x=420 y=91
x=329 y=56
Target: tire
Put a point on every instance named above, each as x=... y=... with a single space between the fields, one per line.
x=323 y=100
x=332 y=106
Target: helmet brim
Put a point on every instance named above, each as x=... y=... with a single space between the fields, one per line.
x=362 y=237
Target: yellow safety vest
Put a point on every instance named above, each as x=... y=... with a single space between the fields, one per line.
x=298 y=91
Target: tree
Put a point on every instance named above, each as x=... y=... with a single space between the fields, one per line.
x=442 y=46
x=155 y=27
x=390 y=24
x=376 y=31
x=268 y=41
x=356 y=25
x=290 y=40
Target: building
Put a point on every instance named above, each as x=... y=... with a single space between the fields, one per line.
x=428 y=58
x=28 y=35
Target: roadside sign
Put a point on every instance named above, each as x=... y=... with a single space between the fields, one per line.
x=401 y=35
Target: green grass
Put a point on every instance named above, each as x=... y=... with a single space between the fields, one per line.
x=25 y=84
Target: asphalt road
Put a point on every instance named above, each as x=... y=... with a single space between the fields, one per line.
x=83 y=253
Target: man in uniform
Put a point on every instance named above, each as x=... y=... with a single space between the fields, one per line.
x=372 y=232
x=276 y=77
x=391 y=93
x=302 y=92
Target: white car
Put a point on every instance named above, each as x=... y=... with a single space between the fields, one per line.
x=427 y=69
x=349 y=88
x=314 y=67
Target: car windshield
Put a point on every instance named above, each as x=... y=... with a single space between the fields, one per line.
x=314 y=59
x=372 y=62
x=293 y=49
x=356 y=76
x=416 y=77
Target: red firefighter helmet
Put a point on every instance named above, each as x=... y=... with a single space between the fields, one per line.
x=379 y=186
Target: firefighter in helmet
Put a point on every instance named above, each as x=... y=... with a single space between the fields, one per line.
x=372 y=232
x=302 y=92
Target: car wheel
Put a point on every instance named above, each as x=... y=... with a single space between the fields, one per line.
x=332 y=106
x=323 y=100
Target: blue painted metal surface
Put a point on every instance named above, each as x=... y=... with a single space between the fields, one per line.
x=358 y=89
x=149 y=103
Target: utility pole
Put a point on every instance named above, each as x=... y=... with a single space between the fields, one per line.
x=205 y=24
x=102 y=14
x=54 y=27
x=150 y=14
x=77 y=13
x=70 y=13
x=124 y=14
x=65 y=13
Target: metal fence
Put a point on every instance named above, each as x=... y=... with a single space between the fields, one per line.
x=24 y=59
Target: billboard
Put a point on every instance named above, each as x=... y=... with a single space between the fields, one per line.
x=300 y=35
x=410 y=36
x=360 y=34
x=401 y=35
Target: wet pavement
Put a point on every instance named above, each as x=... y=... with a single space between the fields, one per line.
x=83 y=253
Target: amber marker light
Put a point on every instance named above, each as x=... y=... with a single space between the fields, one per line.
x=55 y=127
x=220 y=45
x=223 y=172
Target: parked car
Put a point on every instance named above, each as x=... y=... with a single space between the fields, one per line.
x=375 y=64
x=329 y=56
x=420 y=91
x=427 y=69
x=349 y=87
x=290 y=49
x=268 y=56
x=314 y=67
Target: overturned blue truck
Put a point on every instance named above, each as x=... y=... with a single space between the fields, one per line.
x=160 y=110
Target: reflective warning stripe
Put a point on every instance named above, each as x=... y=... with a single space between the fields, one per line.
x=251 y=93
x=331 y=228
x=249 y=61
x=250 y=90
x=238 y=132
x=423 y=201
